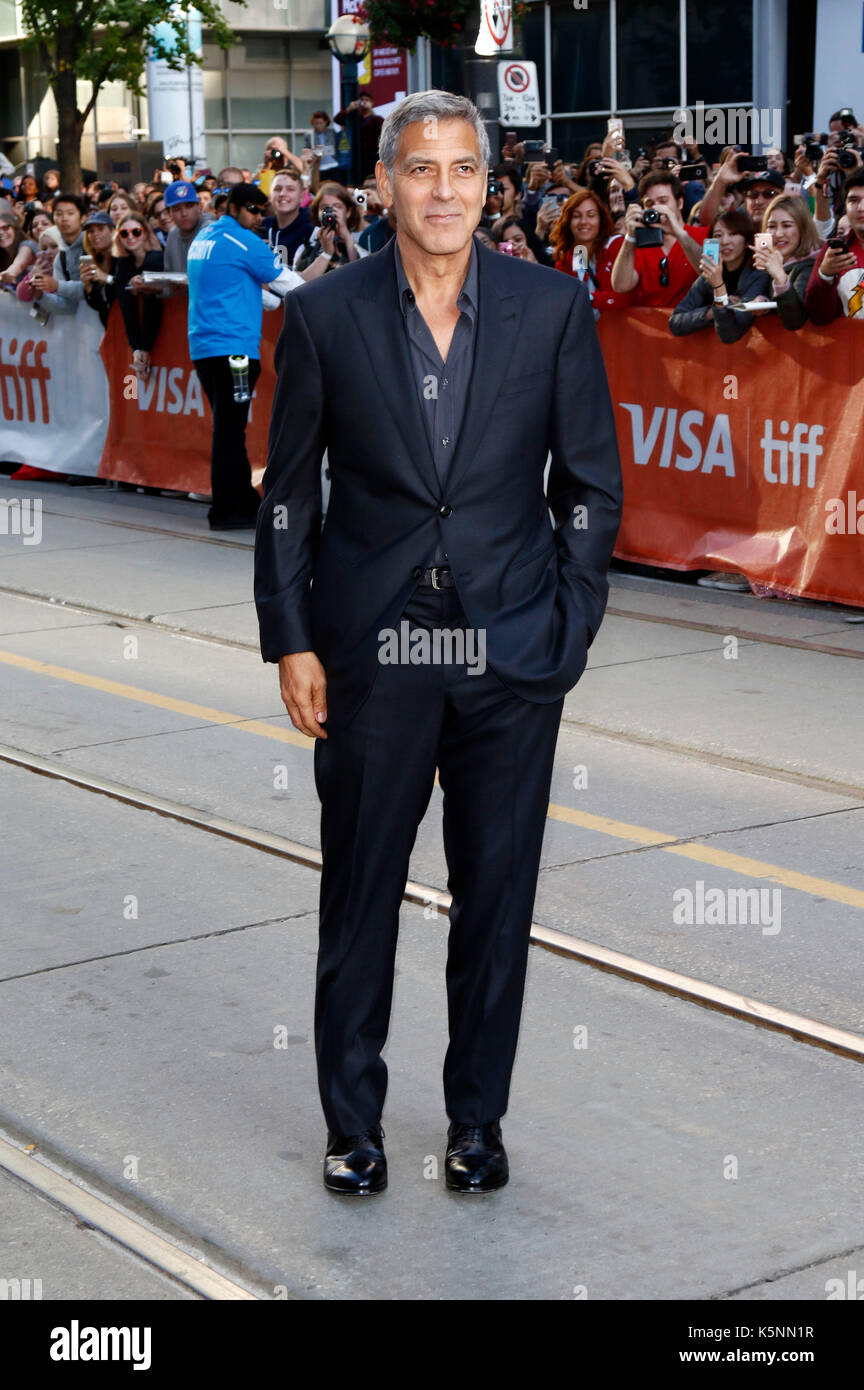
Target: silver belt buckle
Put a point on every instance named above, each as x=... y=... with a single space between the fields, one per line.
x=435 y=571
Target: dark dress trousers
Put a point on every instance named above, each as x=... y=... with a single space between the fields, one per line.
x=529 y=596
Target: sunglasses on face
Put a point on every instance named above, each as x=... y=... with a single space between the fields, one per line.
x=131 y=234
x=664 y=271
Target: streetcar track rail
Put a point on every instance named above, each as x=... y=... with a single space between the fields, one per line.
x=799 y=1027
x=186 y=1258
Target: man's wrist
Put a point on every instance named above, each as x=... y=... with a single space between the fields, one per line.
x=631 y=239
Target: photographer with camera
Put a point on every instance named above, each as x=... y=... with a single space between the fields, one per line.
x=836 y=285
x=669 y=159
x=277 y=158
x=335 y=218
x=724 y=284
x=586 y=247
x=834 y=164
x=504 y=193
x=368 y=132
x=659 y=257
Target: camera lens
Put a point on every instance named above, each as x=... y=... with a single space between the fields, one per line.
x=650 y=217
x=846 y=159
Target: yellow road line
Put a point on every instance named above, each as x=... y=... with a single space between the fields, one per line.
x=707 y=854
x=149 y=697
x=603 y=825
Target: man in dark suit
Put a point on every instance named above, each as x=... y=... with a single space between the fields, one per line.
x=439 y=375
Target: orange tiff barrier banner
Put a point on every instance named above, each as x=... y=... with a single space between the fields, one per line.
x=745 y=457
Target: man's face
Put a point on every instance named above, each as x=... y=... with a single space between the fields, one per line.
x=662 y=198
x=365 y=105
x=285 y=194
x=664 y=152
x=250 y=218
x=757 y=199
x=439 y=185
x=186 y=216
x=68 y=219
x=855 y=210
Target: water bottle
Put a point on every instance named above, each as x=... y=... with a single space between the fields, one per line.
x=240 y=378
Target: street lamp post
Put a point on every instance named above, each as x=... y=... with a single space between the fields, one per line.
x=350 y=41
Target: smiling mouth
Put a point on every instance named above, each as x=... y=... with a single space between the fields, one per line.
x=443 y=216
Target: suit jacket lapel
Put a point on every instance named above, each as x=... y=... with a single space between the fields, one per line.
x=378 y=315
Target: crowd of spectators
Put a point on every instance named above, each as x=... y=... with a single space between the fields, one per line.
x=719 y=242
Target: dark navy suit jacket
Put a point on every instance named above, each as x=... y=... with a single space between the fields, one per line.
x=344 y=383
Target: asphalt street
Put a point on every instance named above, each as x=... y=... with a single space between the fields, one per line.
x=156 y=980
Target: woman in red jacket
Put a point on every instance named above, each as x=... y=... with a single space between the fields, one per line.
x=586 y=246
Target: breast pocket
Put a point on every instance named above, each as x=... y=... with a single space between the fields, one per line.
x=530 y=381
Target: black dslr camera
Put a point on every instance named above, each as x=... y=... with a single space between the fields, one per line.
x=329 y=220
x=650 y=233
x=846 y=145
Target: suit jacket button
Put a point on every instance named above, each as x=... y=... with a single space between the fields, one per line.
x=445 y=510
x=416 y=573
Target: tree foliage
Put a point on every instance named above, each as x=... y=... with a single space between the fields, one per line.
x=101 y=41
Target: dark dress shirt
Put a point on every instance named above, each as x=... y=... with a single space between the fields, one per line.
x=442 y=388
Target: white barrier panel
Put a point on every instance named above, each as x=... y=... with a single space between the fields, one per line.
x=53 y=389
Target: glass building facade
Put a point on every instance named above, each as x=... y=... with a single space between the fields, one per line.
x=642 y=60
x=639 y=59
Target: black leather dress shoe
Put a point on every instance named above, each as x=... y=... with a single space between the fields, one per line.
x=356 y=1163
x=476 y=1160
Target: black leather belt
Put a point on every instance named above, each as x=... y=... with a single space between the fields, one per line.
x=439 y=576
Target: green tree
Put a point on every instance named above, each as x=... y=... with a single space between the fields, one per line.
x=85 y=40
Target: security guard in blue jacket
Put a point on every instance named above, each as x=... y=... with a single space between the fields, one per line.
x=228 y=264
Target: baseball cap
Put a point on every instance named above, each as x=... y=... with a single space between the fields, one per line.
x=97 y=219
x=180 y=191
x=764 y=176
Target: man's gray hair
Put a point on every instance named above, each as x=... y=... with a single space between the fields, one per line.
x=432 y=106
